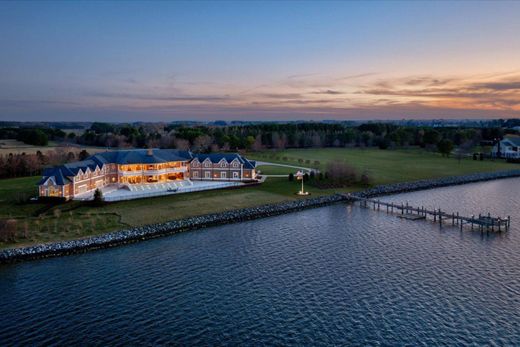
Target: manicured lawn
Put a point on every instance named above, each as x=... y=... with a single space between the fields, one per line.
x=385 y=166
x=276 y=170
x=75 y=220
x=17 y=147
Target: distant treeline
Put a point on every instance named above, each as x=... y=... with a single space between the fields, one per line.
x=258 y=136
x=23 y=164
x=280 y=136
x=33 y=136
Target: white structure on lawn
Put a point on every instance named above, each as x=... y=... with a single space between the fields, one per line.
x=508 y=148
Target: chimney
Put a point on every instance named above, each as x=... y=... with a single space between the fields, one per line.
x=149 y=152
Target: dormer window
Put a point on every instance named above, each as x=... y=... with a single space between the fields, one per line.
x=235 y=164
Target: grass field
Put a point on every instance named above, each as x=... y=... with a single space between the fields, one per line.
x=275 y=170
x=385 y=166
x=17 y=147
x=75 y=220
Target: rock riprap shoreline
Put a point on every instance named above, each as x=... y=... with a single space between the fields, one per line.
x=156 y=230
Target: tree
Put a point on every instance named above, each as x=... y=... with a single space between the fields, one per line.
x=35 y=137
x=98 y=198
x=250 y=140
x=431 y=137
x=83 y=154
x=365 y=178
x=341 y=173
x=445 y=147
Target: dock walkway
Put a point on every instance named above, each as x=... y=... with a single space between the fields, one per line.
x=480 y=222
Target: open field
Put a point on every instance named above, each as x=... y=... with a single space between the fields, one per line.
x=385 y=166
x=17 y=147
x=276 y=170
x=44 y=222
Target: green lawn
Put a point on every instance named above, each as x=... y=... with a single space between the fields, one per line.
x=75 y=220
x=385 y=166
x=275 y=170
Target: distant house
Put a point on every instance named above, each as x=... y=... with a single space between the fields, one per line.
x=508 y=148
x=140 y=170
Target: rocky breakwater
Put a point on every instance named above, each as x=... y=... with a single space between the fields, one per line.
x=434 y=183
x=156 y=230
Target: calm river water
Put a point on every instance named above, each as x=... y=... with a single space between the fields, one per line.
x=338 y=275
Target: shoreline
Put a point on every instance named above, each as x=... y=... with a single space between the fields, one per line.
x=136 y=234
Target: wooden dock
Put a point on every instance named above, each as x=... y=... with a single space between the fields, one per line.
x=405 y=211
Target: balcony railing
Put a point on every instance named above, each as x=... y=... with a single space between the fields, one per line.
x=154 y=172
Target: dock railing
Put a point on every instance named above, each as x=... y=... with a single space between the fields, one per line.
x=482 y=222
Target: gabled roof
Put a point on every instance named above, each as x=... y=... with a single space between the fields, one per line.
x=515 y=140
x=58 y=174
x=228 y=157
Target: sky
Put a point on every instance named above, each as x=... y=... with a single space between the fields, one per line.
x=164 y=61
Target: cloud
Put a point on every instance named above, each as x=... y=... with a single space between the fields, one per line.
x=499 y=86
x=25 y=102
x=281 y=95
x=328 y=92
x=150 y=97
x=456 y=92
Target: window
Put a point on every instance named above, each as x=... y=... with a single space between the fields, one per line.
x=235 y=164
x=222 y=175
x=223 y=164
x=235 y=174
x=196 y=174
x=207 y=163
x=207 y=174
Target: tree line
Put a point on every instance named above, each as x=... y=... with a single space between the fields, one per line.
x=23 y=164
x=281 y=136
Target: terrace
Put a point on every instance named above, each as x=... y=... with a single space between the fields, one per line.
x=116 y=192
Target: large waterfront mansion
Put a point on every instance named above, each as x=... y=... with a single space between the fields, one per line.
x=142 y=172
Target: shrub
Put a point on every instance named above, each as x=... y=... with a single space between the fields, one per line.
x=365 y=178
x=445 y=147
x=312 y=176
x=57 y=213
x=98 y=198
x=341 y=173
x=291 y=177
x=8 y=230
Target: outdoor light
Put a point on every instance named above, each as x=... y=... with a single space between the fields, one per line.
x=299 y=176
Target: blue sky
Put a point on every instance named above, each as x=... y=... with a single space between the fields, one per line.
x=127 y=61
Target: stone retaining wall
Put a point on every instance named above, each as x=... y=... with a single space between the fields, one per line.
x=155 y=230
